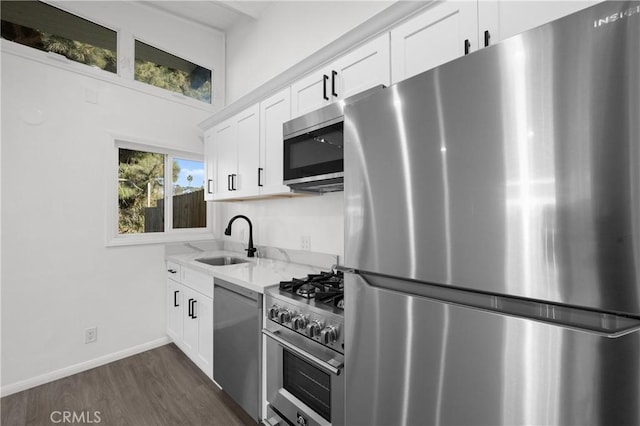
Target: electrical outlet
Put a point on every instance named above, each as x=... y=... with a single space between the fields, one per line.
x=305 y=242
x=90 y=335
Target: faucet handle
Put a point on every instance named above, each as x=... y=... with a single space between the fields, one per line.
x=251 y=251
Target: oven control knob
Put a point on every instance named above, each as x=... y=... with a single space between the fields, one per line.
x=328 y=335
x=313 y=329
x=284 y=316
x=299 y=322
x=273 y=312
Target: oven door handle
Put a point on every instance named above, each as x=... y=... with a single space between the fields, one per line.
x=334 y=369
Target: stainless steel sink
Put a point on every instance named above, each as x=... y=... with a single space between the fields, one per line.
x=221 y=260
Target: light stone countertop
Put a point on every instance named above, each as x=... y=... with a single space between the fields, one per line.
x=256 y=274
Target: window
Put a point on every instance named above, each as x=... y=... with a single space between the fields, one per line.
x=159 y=193
x=161 y=69
x=47 y=28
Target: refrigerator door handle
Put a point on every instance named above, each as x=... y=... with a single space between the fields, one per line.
x=600 y=323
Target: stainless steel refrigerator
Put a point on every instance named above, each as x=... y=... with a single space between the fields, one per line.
x=492 y=225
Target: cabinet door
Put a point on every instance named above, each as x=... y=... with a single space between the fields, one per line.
x=248 y=143
x=210 y=180
x=224 y=137
x=310 y=93
x=190 y=327
x=361 y=69
x=203 y=311
x=504 y=19
x=273 y=113
x=436 y=36
x=174 y=311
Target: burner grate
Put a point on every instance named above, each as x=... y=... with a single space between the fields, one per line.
x=325 y=287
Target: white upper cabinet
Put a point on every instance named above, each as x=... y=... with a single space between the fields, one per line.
x=362 y=69
x=274 y=112
x=503 y=19
x=226 y=152
x=248 y=123
x=237 y=154
x=310 y=93
x=443 y=32
x=210 y=180
x=244 y=154
x=448 y=30
x=246 y=151
x=358 y=70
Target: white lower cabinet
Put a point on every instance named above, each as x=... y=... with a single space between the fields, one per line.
x=190 y=316
x=175 y=298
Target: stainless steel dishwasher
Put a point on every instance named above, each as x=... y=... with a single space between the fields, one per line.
x=237 y=354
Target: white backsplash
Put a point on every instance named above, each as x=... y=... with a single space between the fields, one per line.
x=283 y=222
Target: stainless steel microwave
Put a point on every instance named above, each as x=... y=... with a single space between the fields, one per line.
x=313 y=148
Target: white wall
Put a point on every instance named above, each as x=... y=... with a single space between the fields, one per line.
x=58 y=277
x=282 y=222
x=286 y=33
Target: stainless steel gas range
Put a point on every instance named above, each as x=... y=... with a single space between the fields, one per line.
x=304 y=326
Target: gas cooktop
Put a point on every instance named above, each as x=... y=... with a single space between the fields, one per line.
x=312 y=306
x=325 y=289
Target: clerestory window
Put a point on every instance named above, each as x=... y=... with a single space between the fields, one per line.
x=43 y=27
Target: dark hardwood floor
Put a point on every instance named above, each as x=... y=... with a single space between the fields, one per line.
x=156 y=388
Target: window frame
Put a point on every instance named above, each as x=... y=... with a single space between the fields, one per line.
x=114 y=238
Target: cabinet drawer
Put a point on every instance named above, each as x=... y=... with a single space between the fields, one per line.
x=173 y=271
x=198 y=281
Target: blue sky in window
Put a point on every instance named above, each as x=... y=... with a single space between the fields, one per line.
x=193 y=168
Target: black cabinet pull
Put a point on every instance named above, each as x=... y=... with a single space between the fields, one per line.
x=325 y=78
x=190 y=308
x=228 y=182
x=467 y=46
x=194 y=314
x=172 y=271
x=209 y=182
x=233 y=182
x=487 y=38
x=260 y=170
x=334 y=74
x=175 y=298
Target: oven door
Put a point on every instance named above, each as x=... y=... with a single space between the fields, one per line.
x=305 y=380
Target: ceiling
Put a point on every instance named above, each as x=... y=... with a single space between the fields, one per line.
x=219 y=14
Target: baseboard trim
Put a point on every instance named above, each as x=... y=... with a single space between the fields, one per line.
x=78 y=368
